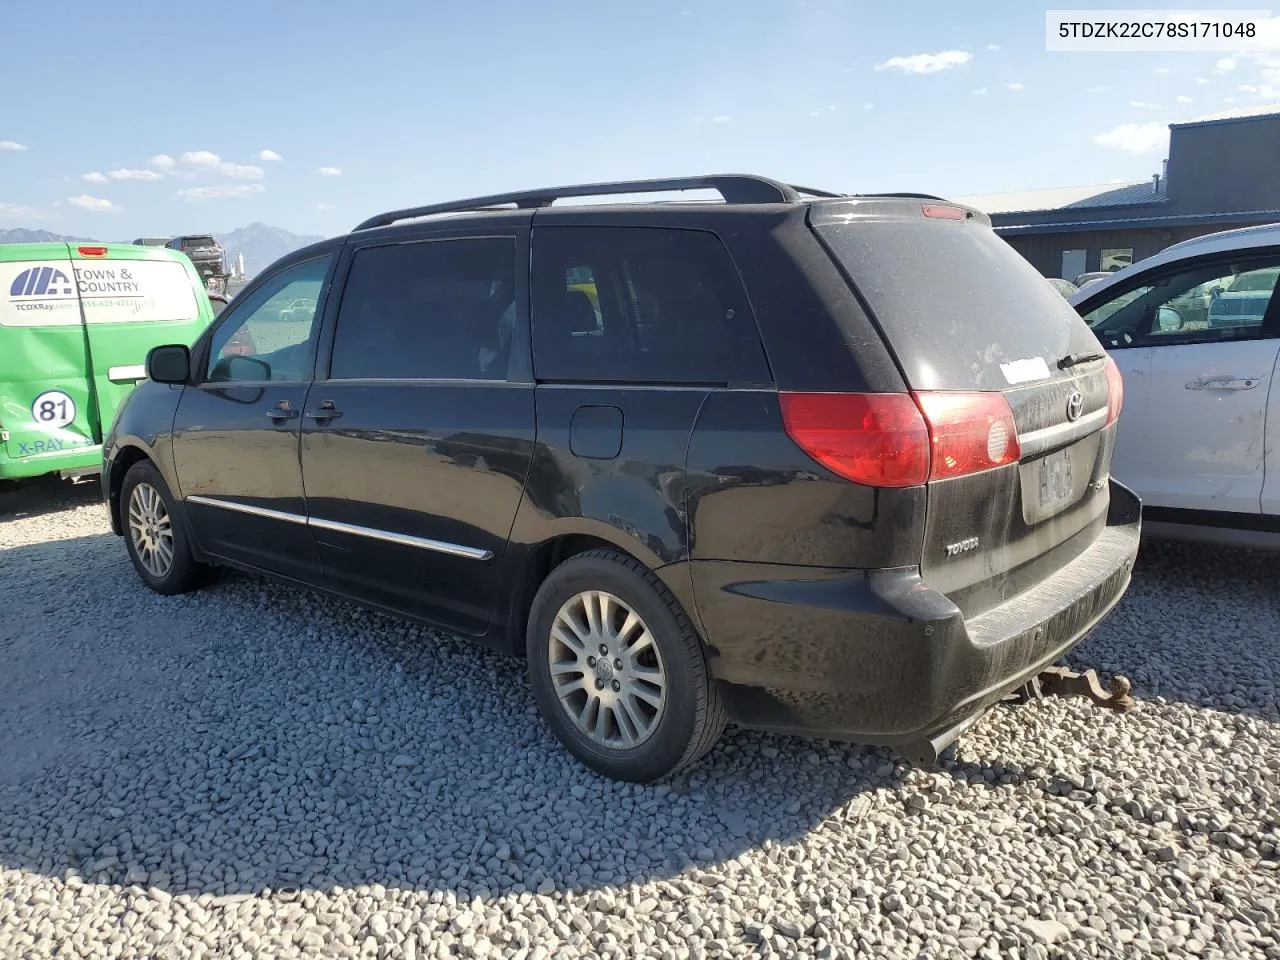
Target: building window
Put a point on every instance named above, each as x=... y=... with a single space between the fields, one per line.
x=1115 y=259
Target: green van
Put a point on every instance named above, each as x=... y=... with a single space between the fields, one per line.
x=76 y=322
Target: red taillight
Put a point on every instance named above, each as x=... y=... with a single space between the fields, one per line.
x=92 y=251
x=1115 y=391
x=971 y=432
x=879 y=439
x=900 y=439
x=940 y=212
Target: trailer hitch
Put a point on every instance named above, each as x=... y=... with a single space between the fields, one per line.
x=1065 y=682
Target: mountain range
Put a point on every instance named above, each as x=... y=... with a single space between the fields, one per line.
x=260 y=243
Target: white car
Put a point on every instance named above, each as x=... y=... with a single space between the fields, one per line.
x=1195 y=331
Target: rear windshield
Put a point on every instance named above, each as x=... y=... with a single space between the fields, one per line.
x=959 y=307
x=193 y=242
x=135 y=291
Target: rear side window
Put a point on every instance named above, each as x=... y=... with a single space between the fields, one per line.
x=429 y=310
x=640 y=305
x=959 y=307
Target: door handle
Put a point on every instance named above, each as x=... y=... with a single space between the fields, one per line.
x=1224 y=383
x=328 y=411
x=281 y=412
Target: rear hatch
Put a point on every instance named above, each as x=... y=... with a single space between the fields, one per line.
x=1017 y=487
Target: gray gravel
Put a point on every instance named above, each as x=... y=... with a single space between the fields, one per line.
x=258 y=771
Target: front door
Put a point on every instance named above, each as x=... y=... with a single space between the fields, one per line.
x=235 y=435
x=1193 y=429
x=1073 y=264
x=416 y=446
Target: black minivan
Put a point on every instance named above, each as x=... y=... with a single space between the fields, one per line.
x=805 y=462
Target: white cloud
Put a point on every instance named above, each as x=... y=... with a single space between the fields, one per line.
x=269 y=155
x=337 y=171
x=1201 y=80
x=1135 y=137
x=722 y=118
x=163 y=161
x=221 y=192
x=95 y=204
x=1162 y=70
x=12 y=145
x=980 y=92
x=831 y=106
x=240 y=171
x=1182 y=99
x=1261 y=54
x=1102 y=89
x=868 y=106
x=1015 y=86
x=125 y=173
x=1228 y=99
x=1143 y=105
x=993 y=47
x=927 y=62
x=201 y=158
x=94 y=177
x=21 y=212
x=815 y=113
x=324 y=206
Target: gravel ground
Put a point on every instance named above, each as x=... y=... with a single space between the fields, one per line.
x=257 y=771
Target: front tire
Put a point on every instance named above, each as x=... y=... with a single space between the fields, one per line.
x=618 y=670
x=154 y=535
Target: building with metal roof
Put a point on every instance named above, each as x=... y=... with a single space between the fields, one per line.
x=1221 y=173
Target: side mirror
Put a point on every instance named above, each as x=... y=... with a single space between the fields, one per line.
x=1168 y=318
x=1215 y=293
x=169 y=364
x=218 y=302
x=238 y=368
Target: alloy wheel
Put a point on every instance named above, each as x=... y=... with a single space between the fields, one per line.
x=606 y=670
x=151 y=530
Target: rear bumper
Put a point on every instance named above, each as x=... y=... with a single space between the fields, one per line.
x=881 y=657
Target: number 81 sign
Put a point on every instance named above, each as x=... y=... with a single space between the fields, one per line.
x=53 y=408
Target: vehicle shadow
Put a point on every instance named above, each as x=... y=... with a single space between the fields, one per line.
x=254 y=737
x=1199 y=624
x=38 y=496
x=251 y=737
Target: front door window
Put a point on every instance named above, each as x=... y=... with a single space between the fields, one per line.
x=268 y=336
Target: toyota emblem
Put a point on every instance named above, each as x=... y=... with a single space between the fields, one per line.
x=1075 y=405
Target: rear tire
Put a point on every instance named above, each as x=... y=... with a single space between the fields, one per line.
x=618 y=670
x=154 y=534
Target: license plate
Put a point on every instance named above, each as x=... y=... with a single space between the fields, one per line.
x=1055 y=478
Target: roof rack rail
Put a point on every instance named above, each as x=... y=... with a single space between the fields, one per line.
x=905 y=196
x=733 y=187
x=812 y=192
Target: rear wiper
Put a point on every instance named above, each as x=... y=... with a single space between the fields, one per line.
x=1075 y=359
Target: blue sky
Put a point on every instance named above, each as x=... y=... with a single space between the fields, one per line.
x=123 y=119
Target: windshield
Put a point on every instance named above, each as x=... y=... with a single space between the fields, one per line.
x=1185 y=301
